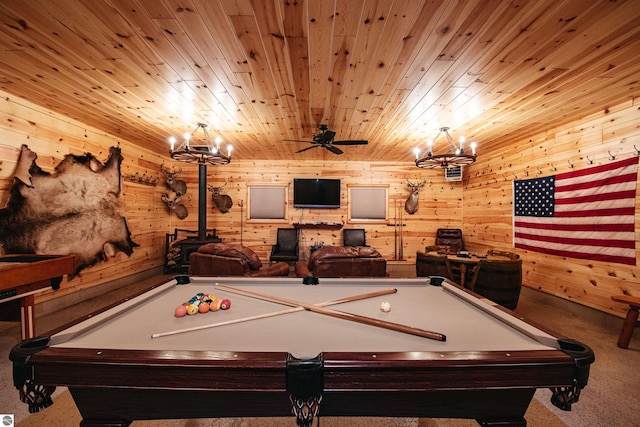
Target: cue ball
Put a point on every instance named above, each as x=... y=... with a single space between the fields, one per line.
x=385 y=306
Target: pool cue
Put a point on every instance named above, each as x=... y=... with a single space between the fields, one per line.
x=294 y=309
x=347 y=316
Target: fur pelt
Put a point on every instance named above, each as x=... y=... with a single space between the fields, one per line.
x=76 y=210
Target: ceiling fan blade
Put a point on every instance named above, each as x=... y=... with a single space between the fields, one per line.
x=334 y=150
x=308 y=148
x=351 y=142
x=325 y=139
x=327 y=136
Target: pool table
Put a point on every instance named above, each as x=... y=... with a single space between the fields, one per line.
x=23 y=275
x=487 y=365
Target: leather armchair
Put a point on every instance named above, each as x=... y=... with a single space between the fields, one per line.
x=451 y=237
x=499 y=281
x=286 y=247
x=430 y=264
x=343 y=261
x=221 y=259
x=354 y=237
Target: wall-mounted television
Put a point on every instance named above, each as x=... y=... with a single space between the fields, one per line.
x=316 y=193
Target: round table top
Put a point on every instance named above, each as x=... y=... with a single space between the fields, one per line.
x=474 y=258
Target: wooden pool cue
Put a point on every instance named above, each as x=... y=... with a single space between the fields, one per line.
x=347 y=316
x=294 y=309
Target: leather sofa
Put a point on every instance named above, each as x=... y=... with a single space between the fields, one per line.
x=221 y=259
x=343 y=261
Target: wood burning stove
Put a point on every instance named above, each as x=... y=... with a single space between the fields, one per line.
x=180 y=244
x=178 y=250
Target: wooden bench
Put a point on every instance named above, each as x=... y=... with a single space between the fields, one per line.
x=631 y=321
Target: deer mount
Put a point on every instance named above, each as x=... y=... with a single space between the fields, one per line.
x=176 y=188
x=222 y=201
x=411 y=205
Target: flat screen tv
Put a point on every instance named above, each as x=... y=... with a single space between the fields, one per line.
x=316 y=193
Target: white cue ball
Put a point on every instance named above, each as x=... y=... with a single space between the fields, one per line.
x=385 y=306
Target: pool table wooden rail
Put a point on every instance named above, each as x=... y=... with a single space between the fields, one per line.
x=207 y=384
x=22 y=275
x=210 y=369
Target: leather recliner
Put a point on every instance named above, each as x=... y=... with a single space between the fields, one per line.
x=341 y=261
x=221 y=259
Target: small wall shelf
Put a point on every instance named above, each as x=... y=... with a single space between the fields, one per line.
x=320 y=226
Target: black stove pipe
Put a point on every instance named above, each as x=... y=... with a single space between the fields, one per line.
x=202 y=201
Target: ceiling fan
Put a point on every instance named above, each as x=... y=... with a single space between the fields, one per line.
x=325 y=139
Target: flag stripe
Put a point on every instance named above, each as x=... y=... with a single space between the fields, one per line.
x=596 y=221
x=595 y=171
x=593 y=251
x=559 y=238
x=587 y=214
x=625 y=227
x=569 y=186
x=571 y=254
x=596 y=212
x=597 y=197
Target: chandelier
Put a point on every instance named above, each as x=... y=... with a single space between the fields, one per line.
x=455 y=158
x=206 y=154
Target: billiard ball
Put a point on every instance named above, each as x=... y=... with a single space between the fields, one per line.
x=181 y=311
x=225 y=304
x=203 y=308
x=215 y=304
x=385 y=306
x=192 y=309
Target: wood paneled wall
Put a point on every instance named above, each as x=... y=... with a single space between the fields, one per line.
x=488 y=203
x=51 y=137
x=481 y=205
x=440 y=204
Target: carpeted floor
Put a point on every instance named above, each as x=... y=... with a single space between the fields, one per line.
x=64 y=413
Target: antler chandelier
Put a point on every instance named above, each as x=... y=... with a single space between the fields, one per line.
x=208 y=153
x=455 y=158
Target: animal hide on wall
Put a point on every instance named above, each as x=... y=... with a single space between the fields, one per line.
x=77 y=210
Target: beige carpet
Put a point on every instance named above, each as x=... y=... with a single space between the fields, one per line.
x=63 y=413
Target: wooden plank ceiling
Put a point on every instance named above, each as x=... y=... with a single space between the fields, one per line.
x=259 y=72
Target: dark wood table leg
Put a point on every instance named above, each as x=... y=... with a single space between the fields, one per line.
x=463 y=274
x=629 y=325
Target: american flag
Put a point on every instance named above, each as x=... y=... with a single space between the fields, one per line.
x=588 y=214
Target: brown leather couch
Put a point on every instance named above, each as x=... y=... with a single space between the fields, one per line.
x=343 y=261
x=221 y=259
